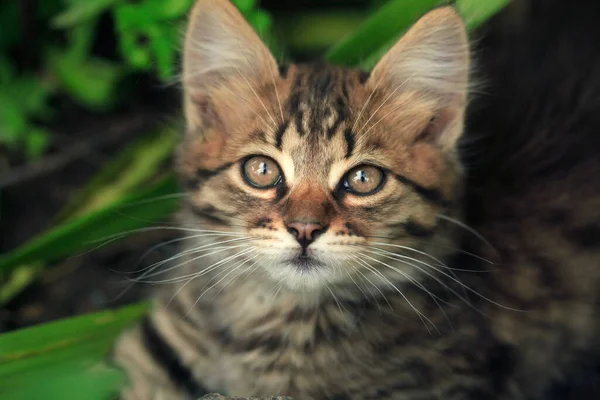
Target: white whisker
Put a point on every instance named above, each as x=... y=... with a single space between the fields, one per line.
x=380 y=276
x=461 y=284
x=155 y=247
x=190 y=277
x=215 y=284
x=212 y=251
x=209 y=246
x=468 y=229
x=384 y=102
x=407 y=276
x=421 y=316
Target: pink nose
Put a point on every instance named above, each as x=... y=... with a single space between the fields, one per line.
x=305 y=232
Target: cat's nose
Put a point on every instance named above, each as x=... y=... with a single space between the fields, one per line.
x=305 y=232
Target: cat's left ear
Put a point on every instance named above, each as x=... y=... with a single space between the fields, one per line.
x=431 y=60
x=223 y=58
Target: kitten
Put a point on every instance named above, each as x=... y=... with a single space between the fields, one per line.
x=325 y=253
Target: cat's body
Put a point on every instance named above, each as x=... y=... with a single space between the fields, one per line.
x=387 y=297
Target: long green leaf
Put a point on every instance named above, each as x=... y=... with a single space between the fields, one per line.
x=384 y=24
x=81 y=11
x=381 y=30
x=128 y=170
x=43 y=361
x=146 y=208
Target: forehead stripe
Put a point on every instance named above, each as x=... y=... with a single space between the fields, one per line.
x=279 y=134
x=349 y=136
x=432 y=195
x=340 y=109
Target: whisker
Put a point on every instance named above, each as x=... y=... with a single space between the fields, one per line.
x=209 y=246
x=436 y=245
x=365 y=105
x=354 y=269
x=190 y=277
x=223 y=270
x=157 y=198
x=339 y=305
x=277 y=95
x=440 y=262
x=434 y=297
x=421 y=316
x=468 y=229
x=461 y=284
x=393 y=110
x=215 y=251
x=213 y=285
x=156 y=228
x=451 y=270
x=393 y=256
x=408 y=277
x=277 y=289
x=249 y=268
x=155 y=247
x=359 y=261
x=459 y=250
x=384 y=102
x=252 y=89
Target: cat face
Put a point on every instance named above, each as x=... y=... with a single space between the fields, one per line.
x=323 y=175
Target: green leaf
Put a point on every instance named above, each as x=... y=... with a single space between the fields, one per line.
x=386 y=23
x=381 y=30
x=162 y=38
x=129 y=169
x=37 y=141
x=148 y=207
x=17 y=281
x=81 y=11
x=145 y=39
x=316 y=31
x=64 y=359
x=150 y=31
x=476 y=12
x=170 y=9
x=23 y=98
x=91 y=81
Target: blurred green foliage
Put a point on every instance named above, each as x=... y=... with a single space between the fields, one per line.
x=148 y=34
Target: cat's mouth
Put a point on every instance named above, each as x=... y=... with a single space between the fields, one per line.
x=305 y=262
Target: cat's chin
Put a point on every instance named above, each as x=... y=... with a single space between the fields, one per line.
x=302 y=274
x=305 y=264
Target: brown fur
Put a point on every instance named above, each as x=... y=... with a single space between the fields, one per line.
x=390 y=307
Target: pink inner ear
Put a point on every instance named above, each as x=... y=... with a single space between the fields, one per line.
x=430 y=133
x=205 y=110
x=437 y=126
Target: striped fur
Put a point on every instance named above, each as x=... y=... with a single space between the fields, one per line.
x=394 y=299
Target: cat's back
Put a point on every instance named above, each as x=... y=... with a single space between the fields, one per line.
x=534 y=117
x=533 y=155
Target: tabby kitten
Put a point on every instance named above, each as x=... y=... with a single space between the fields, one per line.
x=323 y=252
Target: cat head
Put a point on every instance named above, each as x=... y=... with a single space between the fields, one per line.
x=313 y=176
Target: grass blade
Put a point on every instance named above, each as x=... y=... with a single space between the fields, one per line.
x=381 y=30
x=86 y=232
x=384 y=24
x=64 y=359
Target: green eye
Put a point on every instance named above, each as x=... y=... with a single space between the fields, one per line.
x=261 y=172
x=364 y=180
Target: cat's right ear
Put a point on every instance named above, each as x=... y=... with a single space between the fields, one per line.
x=431 y=59
x=223 y=56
